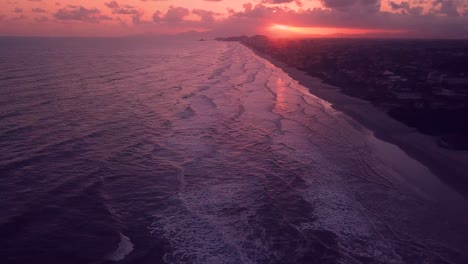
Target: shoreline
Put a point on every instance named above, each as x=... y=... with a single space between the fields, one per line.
x=450 y=166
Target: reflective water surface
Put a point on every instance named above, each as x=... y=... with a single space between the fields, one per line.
x=163 y=151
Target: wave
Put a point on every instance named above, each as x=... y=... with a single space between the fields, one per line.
x=124 y=248
x=231 y=161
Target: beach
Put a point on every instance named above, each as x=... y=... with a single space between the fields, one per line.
x=449 y=165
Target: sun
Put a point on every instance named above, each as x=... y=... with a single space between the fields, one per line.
x=278 y=30
x=280 y=27
x=283 y=30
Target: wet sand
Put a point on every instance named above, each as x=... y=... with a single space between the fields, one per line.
x=449 y=165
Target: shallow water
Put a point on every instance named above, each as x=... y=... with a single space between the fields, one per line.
x=164 y=151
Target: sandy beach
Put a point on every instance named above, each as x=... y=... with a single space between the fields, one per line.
x=449 y=165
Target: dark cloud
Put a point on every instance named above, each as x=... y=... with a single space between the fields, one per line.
x=397 y=6
x=112 y=4
x=411 y=23
x=41 y=19
x=406 y=19
x=276 y=2
x=104 y=17
x=174 y=15
x=438 y=18
x=353 y=5
x=38 y=10
x=206 y=16
x=125 y=10
x=17 y=18
x=406 y=8
x=446 y=7
x=78 y=13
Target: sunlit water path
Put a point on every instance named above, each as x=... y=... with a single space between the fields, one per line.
x=199 y=152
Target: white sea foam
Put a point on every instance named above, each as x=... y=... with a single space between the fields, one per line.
x=255 y=133
x=236 y=162
x=124 y=248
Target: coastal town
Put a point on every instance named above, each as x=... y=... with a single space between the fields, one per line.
x=422 y=83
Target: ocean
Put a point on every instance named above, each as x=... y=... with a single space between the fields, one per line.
x=140 y=150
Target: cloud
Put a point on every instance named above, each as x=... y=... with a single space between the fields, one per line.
x=412 y=23
x=104 y=17
x=354 y=6
x=206 y=16
x=78 y=13
x=17 y=18
x=38 y=10
x=112 y=4
x=275 y=2
x=126 y=11
x=446 y=7
x=174 y=15
x=405 y=8
x=406 y=18
x=41 y=19
x=437 y=18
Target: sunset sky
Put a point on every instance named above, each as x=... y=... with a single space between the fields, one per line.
x=383 y=18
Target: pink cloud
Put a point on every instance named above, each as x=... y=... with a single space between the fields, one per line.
x=437 y=18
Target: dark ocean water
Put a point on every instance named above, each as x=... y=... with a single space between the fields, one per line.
x=165 y=151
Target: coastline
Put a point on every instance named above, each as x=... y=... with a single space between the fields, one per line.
x=450 y=166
